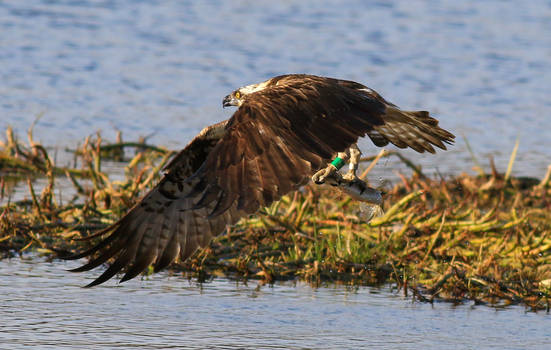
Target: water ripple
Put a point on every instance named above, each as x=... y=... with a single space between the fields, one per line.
x=44 y=306
x=482 y=67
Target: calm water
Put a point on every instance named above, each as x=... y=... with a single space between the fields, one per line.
x=161 y=68
x=43 y=306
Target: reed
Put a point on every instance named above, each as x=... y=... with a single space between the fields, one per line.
x=484 y=238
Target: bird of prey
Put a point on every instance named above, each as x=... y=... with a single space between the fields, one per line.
x=285 y=131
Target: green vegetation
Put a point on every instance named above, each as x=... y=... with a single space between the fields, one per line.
x=485 y=238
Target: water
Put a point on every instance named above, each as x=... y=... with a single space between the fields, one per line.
x=161 y=68
x=43 y=306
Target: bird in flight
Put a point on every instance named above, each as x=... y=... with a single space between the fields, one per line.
x=285 y=131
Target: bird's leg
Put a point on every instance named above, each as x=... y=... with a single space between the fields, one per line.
x=355 y=154
x=350 y=184
x=331 y=169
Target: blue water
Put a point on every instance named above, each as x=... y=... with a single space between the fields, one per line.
x=161 y=68
x=44 y=307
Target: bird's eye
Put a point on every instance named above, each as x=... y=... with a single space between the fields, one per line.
x=237 y=94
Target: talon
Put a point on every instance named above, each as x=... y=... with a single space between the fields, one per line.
x=319 y=177
x=350 y=176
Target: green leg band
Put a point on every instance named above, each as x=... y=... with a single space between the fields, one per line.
x=337 y=163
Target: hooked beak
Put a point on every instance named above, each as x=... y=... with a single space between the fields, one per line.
x=228 y=101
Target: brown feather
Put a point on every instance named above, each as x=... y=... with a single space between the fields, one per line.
x=280 y=135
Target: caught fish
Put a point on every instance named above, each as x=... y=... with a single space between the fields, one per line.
x=370 y=198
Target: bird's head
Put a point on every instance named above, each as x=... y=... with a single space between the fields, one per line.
x=234 y=99
x=237 y=97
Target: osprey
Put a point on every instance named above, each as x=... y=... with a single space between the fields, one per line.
x=285 y=131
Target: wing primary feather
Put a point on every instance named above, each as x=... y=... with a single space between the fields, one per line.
x=224 y=202
x=118 y=265
x=147 y=249
x=168 y=228
x=139 y=266
x=93 y=249
x=128 y=248
x=106 y=255
x=127 y=255
x=169 y=254
x=211 y=193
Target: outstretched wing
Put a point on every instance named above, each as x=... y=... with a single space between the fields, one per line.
x=162 y=225
x=272 y=144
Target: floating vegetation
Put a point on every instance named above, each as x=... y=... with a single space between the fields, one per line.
x=485 y=238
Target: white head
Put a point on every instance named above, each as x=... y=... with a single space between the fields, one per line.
x=237 y=97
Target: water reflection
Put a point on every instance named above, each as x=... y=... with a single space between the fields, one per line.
x=43 y=305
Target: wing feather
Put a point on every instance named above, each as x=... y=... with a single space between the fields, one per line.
x=272 y=144
x=169 y=254
x=410 y=129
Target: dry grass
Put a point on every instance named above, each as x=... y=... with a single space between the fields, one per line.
x=485 y=238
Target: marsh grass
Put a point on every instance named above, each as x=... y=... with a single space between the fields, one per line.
x=485 y=238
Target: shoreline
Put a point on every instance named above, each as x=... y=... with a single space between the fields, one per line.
x=485 y=237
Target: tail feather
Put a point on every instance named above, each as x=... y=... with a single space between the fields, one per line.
x=414 y=129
